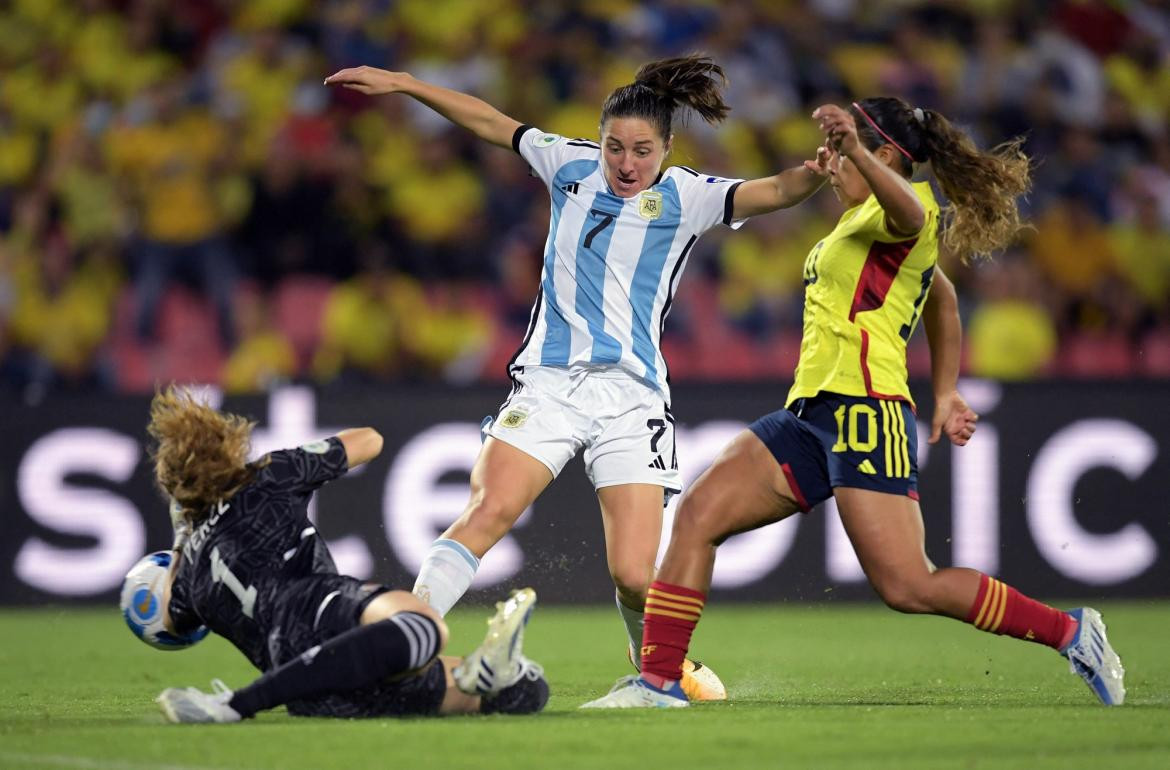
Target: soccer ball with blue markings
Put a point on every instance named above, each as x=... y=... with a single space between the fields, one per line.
x=142 y=604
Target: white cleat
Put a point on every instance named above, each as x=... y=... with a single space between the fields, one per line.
x=190 y=706
x=1091 y=658
x=633 y=692
x=498 y=663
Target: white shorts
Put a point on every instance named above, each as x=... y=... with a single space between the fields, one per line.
x=622 y=423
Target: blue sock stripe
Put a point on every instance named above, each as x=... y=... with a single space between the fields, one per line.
x=458 y=548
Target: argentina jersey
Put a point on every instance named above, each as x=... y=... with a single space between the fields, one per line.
x=612 y=264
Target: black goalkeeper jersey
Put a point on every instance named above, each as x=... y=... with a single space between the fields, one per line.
x=237 y=562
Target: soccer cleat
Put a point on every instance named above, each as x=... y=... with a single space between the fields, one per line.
x=699 y=682
x=498 y=663
x=634 y=692
x=1091 y=658
x=188 y=705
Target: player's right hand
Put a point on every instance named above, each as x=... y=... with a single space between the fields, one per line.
x=820 y=165
x=368 y=80
x=952 y=418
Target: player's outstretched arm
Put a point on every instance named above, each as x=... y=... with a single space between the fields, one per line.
x=944 y=332
x=904 y=212
x=361 y=445
x=783 y=190
x=472 y=113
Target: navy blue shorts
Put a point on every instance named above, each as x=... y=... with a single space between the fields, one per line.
x=831 y=441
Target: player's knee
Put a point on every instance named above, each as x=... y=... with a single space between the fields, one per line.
x=490 y=514
x=387 y=605
x=904 y=595
x=698 y=518
x=632 y=582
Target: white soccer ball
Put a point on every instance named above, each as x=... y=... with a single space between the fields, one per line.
x=142 y=604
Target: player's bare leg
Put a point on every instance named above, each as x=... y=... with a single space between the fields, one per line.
x=632 y=519
x=631 y=515
x=504 y=482
x=390 y=603
x=887 y=534
x=743 y=489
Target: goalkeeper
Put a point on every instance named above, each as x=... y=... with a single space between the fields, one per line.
x=251 y=566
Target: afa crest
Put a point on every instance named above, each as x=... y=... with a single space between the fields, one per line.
x=514 y=418
x=650 y=205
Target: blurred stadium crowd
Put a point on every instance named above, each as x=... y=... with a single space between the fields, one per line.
x=182 y=199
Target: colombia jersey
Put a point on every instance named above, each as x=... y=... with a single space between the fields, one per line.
x=612 y=264
x=864 y=292
x=236 y=562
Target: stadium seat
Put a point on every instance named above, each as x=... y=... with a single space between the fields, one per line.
x=1095 y=356
x=918 y=357
x=1153 y=354
x=779 y=355
x=132 y=364
x=185 y=318
x=297 y=304
x=504 y=345
x=681 y=360
x=733 y=357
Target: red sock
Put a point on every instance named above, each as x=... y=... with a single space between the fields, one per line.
x=672 y=612
x=1001 y=609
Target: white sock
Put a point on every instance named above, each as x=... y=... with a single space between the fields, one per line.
x=634 y=620
x=445 y=575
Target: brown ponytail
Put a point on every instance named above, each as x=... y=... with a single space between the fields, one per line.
x=983 y=187
x=661 y=87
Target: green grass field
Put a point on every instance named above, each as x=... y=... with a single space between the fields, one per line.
x=812 y=686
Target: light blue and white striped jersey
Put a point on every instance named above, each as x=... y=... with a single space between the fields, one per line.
x=612 y=264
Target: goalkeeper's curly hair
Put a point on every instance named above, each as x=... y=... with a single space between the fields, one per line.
x=201 y=454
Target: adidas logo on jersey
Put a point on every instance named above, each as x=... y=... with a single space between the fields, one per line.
x=866 y=467
x=657 y=463
x=572 y=187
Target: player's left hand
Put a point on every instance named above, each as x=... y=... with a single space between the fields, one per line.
x=839 y=128
x=369 y=80
x=953 y=417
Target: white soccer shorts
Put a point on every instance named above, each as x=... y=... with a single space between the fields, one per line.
x=622 y=423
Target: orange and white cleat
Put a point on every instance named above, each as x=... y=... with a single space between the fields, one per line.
x=699 y=682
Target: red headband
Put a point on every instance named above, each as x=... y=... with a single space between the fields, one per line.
x=885 y=136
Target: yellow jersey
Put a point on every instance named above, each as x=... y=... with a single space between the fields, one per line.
x=864 y=292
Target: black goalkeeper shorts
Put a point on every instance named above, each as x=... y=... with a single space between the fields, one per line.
x=319 y=608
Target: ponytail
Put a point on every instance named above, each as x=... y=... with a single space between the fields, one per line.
x=661 y=87
x=983 y=187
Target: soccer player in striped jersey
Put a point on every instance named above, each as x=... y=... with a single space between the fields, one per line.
x=847 y=430
x=590 y=373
